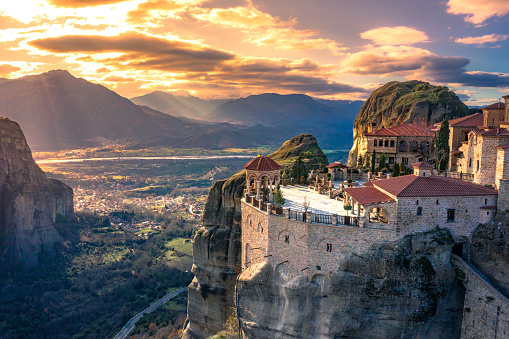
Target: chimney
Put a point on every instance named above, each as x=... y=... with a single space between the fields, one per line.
x=423 y=121
x=416 y=121
x=428 y=125
x=394 y=121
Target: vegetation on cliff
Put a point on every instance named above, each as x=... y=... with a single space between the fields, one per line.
x=402 y=102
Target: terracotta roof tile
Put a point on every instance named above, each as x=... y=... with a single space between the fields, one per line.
x=262 y=163
x=422 y=165
x=368 y=195
x=406 y=130
x=432 y=186
x=336 y=164
x=472 y=120
x=491 y=132
x=497 y=105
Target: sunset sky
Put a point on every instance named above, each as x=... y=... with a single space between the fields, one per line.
x=222 y=48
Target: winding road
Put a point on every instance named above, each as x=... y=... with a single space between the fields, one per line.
x=124 y=332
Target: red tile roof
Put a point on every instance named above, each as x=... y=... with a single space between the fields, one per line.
x=491 y=132
x=456 y=152
x=336 y=164
x=497 y=105
x=422 y=165
x=472 y=120
x=262 y=163
x=503 y=146
x=405 y=130
x=432 y=186
x=368 y=195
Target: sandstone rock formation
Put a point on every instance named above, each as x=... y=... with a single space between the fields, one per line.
x=29 y=202
x=490 y=252
x=217 y=246
x=403 y=101
x=403 y=289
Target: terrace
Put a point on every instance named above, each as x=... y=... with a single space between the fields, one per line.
x=304 y=203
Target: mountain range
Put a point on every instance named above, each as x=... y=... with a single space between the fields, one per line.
x=59 y=111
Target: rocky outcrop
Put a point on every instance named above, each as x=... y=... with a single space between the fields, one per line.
x=490 y=252
x=217 y=246
x=403 y=102
x=30 y=203
x=403 y=289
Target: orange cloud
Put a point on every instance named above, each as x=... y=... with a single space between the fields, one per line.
x=478 y=11
x=82 y=3
x=481 y=40
x=400 y=35
x=146 y=11
x=114 y=78
x=265 y=30
x=6 y=69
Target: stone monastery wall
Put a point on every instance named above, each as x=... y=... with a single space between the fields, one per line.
x=485 y=311
x=467 y=215
x=303 y=247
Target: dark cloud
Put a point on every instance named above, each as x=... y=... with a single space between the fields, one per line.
x=453 y=70
x=82 y=3
x=198 y=63
x=140 y=51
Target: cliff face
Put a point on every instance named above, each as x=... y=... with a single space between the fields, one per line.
x=490 y=252
x=29 y=202
x=404 y=289
x=403 y=101
x=217 y=246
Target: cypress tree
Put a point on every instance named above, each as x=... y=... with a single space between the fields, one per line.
x=381 y=162
x=442 y=149
x=373 y=161
x=395 y=170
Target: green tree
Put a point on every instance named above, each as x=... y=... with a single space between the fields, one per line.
x=442 y=149
x=382 y=162
x=402 y=168
x=279 y=197
x=360 y=162
x=395 y=170
x=299 y=168
x=373 y=161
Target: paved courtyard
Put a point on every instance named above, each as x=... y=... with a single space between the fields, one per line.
x=318 y=203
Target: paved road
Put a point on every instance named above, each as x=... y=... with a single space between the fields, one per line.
x=130 y=324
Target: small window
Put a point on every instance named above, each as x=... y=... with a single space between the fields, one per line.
x=477 y=165
x=405 y=161
x=417 y=202
x=450 y=215
x=486 y=201
x=375 y=143
x=493 y=122
x=287 y=239
x=318 y=268
x=487 y=213
x=262 y=230
x=392 y=143
x=437 y=201
x=329 y=247
x=386 y=143
x=419 y=210
x=470 y=163
x=391 y=160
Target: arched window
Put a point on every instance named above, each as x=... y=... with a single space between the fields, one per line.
x=403 y=146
